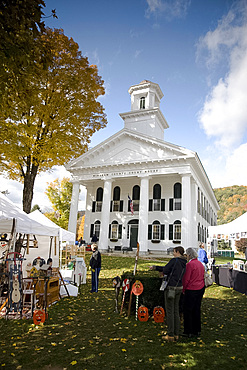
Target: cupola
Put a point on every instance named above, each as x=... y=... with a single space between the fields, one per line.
x=145 y=115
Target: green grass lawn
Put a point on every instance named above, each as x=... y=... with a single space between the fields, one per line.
x=84 y=332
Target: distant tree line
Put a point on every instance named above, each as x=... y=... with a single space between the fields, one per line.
x=232 y=201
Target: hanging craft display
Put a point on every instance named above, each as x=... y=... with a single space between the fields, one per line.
x=137 y=289
x=14 y=268
x=159 y=314
x=142 y=313
x=126 y=285
x=3 y=245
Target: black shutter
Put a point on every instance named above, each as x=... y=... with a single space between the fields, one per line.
x=170 y=232
x=128 y=205
x=149 y=232
x=150 y=205
x=162 y=236
x=171 y=204
x=119 y=231
x=91 y=230
x=93 y=206
x=121 y=206
x=111 y=206
x=162 y=204
x=109 y=236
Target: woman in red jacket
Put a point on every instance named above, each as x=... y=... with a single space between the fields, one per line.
x=193 y=288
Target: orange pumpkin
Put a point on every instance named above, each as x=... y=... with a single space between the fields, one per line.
x=159 y=314
x=142 y=313
x=38 y=317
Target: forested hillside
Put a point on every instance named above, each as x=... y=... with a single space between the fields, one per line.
x=232 y=201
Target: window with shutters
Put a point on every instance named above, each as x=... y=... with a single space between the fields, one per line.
x=99 y=199
x=115 y=231
x=156 y=197
x=156 y=203
x=175 y=203
x=177 y=230
x=116 y=199
x=136 y=197
x=156 y=232
x=95 y=229
x=199 y=201
x=177 y=197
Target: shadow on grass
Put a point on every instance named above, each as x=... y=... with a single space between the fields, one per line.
x=85 y=332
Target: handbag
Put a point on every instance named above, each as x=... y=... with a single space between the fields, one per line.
x=164 y=283
x=171 y=293
x=207 y=279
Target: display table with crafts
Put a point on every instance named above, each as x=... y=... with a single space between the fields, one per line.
x=231 y=278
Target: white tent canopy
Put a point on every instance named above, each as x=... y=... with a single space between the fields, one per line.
x=24 y=223
x=64 y=235
x=239 y=225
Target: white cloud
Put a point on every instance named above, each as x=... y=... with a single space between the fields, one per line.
x=224 y=114
x=227 y=170
x=170 y=8
x=236 y=166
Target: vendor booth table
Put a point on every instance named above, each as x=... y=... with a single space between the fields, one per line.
x=230 y=278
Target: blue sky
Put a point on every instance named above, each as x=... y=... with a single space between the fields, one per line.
x=196 y=50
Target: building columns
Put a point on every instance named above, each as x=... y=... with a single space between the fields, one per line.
x=186 y=211
x=143 y=215
x=105 y=215
x=194 y=234
x=74 y=207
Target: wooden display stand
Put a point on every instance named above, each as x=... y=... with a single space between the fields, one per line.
x=71 y=252
x=51 y=291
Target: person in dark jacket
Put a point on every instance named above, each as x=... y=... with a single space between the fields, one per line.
x=95 y=264
x=94 y=238
x=175 y=270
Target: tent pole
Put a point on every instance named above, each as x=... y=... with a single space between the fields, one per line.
x=55 y=252
x=12 y=238
x=50 y=246
x=60 y=253
x=28 y=243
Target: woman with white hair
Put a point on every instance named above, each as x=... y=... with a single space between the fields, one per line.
x=193 y=288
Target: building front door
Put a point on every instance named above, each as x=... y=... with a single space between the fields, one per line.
x=133 y=236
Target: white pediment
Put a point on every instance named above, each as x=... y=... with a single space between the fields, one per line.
x=128 y=147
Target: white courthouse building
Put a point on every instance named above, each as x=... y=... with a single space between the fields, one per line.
x=173 y=201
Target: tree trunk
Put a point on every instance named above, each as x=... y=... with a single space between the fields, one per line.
x=29 y=179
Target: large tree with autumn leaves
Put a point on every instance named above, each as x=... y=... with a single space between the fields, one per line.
x=52 y=116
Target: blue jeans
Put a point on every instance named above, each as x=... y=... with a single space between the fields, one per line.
x=95 y=279
x=172 y=311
